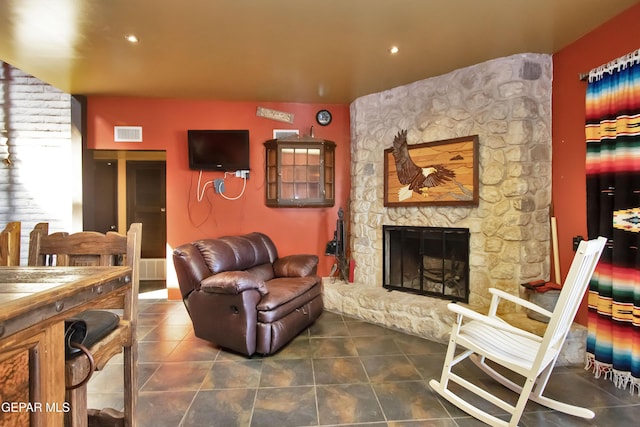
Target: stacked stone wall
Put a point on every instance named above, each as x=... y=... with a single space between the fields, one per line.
x=35 y=153
x=507 y=103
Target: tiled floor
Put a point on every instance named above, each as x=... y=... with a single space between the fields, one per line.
x=340 y=372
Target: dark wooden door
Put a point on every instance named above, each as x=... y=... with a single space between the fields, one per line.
x=105 y=196
x=146 y=203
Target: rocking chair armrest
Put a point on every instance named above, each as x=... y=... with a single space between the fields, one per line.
x=493 y=321
x=499 y=294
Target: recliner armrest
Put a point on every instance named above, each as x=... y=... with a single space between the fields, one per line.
x=232 y=282
x=295 y=266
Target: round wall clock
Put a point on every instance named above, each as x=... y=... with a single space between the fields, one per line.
x=323 y=117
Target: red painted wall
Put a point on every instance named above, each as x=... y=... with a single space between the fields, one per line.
x=165 y=123
x=613 y=39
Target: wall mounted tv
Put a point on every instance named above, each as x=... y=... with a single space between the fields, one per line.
x=218 y=150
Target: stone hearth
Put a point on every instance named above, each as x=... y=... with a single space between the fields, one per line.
x=427 y=317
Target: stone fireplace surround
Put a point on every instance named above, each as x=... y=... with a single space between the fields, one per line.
x=507 y=102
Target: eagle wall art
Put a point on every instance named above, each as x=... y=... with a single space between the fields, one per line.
x=439 y=173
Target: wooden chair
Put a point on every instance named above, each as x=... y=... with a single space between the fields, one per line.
x=512 y=349
x=93 y=248
x=10 y=245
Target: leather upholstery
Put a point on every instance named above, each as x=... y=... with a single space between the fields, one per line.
x=242 y=296
x=233 y=282
x=295 y=266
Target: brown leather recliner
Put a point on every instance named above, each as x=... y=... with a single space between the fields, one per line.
x=242 y=296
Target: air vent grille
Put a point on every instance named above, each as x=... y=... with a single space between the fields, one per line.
x=127 y=133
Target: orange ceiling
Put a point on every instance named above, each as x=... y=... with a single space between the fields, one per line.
x=331 y=51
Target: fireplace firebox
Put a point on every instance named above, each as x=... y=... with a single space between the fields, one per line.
x=430 y=261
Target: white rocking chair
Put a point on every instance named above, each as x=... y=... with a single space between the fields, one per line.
x=533 y=357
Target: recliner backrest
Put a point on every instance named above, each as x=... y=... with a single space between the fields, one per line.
x=195 y=261
x=236 y=253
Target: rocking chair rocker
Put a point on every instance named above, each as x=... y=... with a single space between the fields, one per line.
x=531 y=356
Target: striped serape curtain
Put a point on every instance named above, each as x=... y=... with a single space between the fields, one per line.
x=613 y=210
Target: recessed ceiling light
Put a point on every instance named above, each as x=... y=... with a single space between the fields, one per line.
x=132 y=38
x=393 y=50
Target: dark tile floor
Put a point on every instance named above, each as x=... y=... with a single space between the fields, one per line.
x=339 y=372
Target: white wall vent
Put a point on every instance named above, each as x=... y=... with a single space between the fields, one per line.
x=127 y=133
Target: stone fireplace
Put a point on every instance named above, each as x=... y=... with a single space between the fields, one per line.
x=507 y=103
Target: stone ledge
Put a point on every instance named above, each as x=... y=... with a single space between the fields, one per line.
x=427 y=317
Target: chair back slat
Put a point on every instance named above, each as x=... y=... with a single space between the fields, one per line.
x=34 y=258
x=573 y=290
x=10 y=245
x=87 y=248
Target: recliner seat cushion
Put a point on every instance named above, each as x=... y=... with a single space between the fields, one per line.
x=286 y=294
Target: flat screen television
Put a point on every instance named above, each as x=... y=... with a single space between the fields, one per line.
x=218 y=150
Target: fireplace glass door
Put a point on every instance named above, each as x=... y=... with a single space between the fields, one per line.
x=427 y=260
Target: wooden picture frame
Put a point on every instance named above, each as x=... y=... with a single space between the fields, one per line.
x=457 y=155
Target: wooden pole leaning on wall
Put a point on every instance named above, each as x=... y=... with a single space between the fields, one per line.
x=556 y=255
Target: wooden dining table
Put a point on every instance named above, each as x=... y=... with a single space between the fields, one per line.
x=34 y=301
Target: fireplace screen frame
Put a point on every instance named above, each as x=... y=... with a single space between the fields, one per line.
x=440 y=270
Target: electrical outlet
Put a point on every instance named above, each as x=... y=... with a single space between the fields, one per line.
x=218 y=185
x=242 y=174
x=576 y=242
